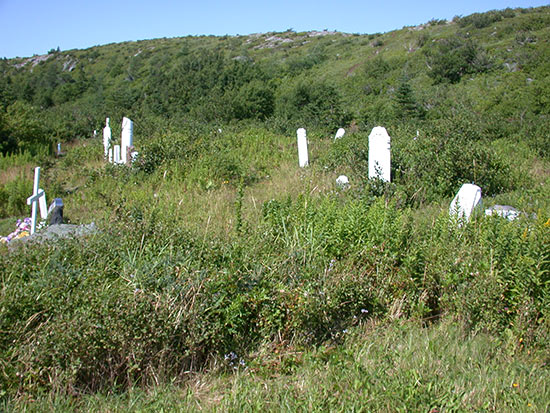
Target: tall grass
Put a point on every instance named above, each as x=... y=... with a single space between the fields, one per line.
x=401 y=366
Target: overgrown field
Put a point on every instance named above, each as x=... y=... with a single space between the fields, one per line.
x=225 y=277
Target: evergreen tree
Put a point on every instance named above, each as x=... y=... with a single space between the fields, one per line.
x=406 y=105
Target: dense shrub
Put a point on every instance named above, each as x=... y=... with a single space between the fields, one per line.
x=452 y=58
x=310 y=102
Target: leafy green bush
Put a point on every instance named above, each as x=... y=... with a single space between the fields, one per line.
x=310 y=102
x=452 y=58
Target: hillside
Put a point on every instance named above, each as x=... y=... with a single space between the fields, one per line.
x=220 y=269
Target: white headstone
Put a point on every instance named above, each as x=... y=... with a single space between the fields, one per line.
x=465 y=202
x=116 y=154
x=303 y=159
x=43 y=206
x=342 y=181
x=110 y=155
x=106 y=138
x=340 y=133
x=127 y=138
x=379 y=154
x=59 y=148
x=38 y=197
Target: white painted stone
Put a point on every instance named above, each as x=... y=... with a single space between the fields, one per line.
x=116 y=154
x=59 y=149
x=38 y=197
x=303 y=159
x=127 y=138
x=465 y=202
x=340 y=133
x=43 y=206
x=504 y=211
x=106 y=138
x=342 y=181
x=379 y=154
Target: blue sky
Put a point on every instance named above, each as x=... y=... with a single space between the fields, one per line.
x=30 y=27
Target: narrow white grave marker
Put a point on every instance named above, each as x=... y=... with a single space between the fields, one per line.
x=38 y=197
x=43 y=206
x=340 y=133
x=110 y=155
x=58 y=149
x=116 y=154
x=379 y=154
x=466 y=200
x=106 y=138
x=127 y=138
x=303 y=159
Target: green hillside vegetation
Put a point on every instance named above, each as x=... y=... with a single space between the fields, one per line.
x=224 y=277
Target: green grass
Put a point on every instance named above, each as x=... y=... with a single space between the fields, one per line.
x=400 y=366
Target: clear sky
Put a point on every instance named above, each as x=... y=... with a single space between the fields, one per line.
x=30 y=27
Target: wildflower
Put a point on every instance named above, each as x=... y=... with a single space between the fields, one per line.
x=515 y=385
x=547 y=223
x=364 y=311
x=231 y=356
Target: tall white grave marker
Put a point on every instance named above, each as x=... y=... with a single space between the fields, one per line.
x=466 y=200
x=106 y=138
x=116 y=154
x=379 y=154
x=340 y=133
x=127 y=139
x=38 y=197
x=303 y=159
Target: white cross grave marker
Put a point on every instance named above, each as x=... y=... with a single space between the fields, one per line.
x=466 y=200
x=379 y=154
x=38 y=196
x=127 y=139
x=340 y=133
x=303 y=159
x=106 y=138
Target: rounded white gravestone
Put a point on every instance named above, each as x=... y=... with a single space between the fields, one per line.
x=465 y=202
x=106 y=137
x=127 y=138
x=303 y=159
x=340 y=133
x=379 y=154
x=342 y=181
